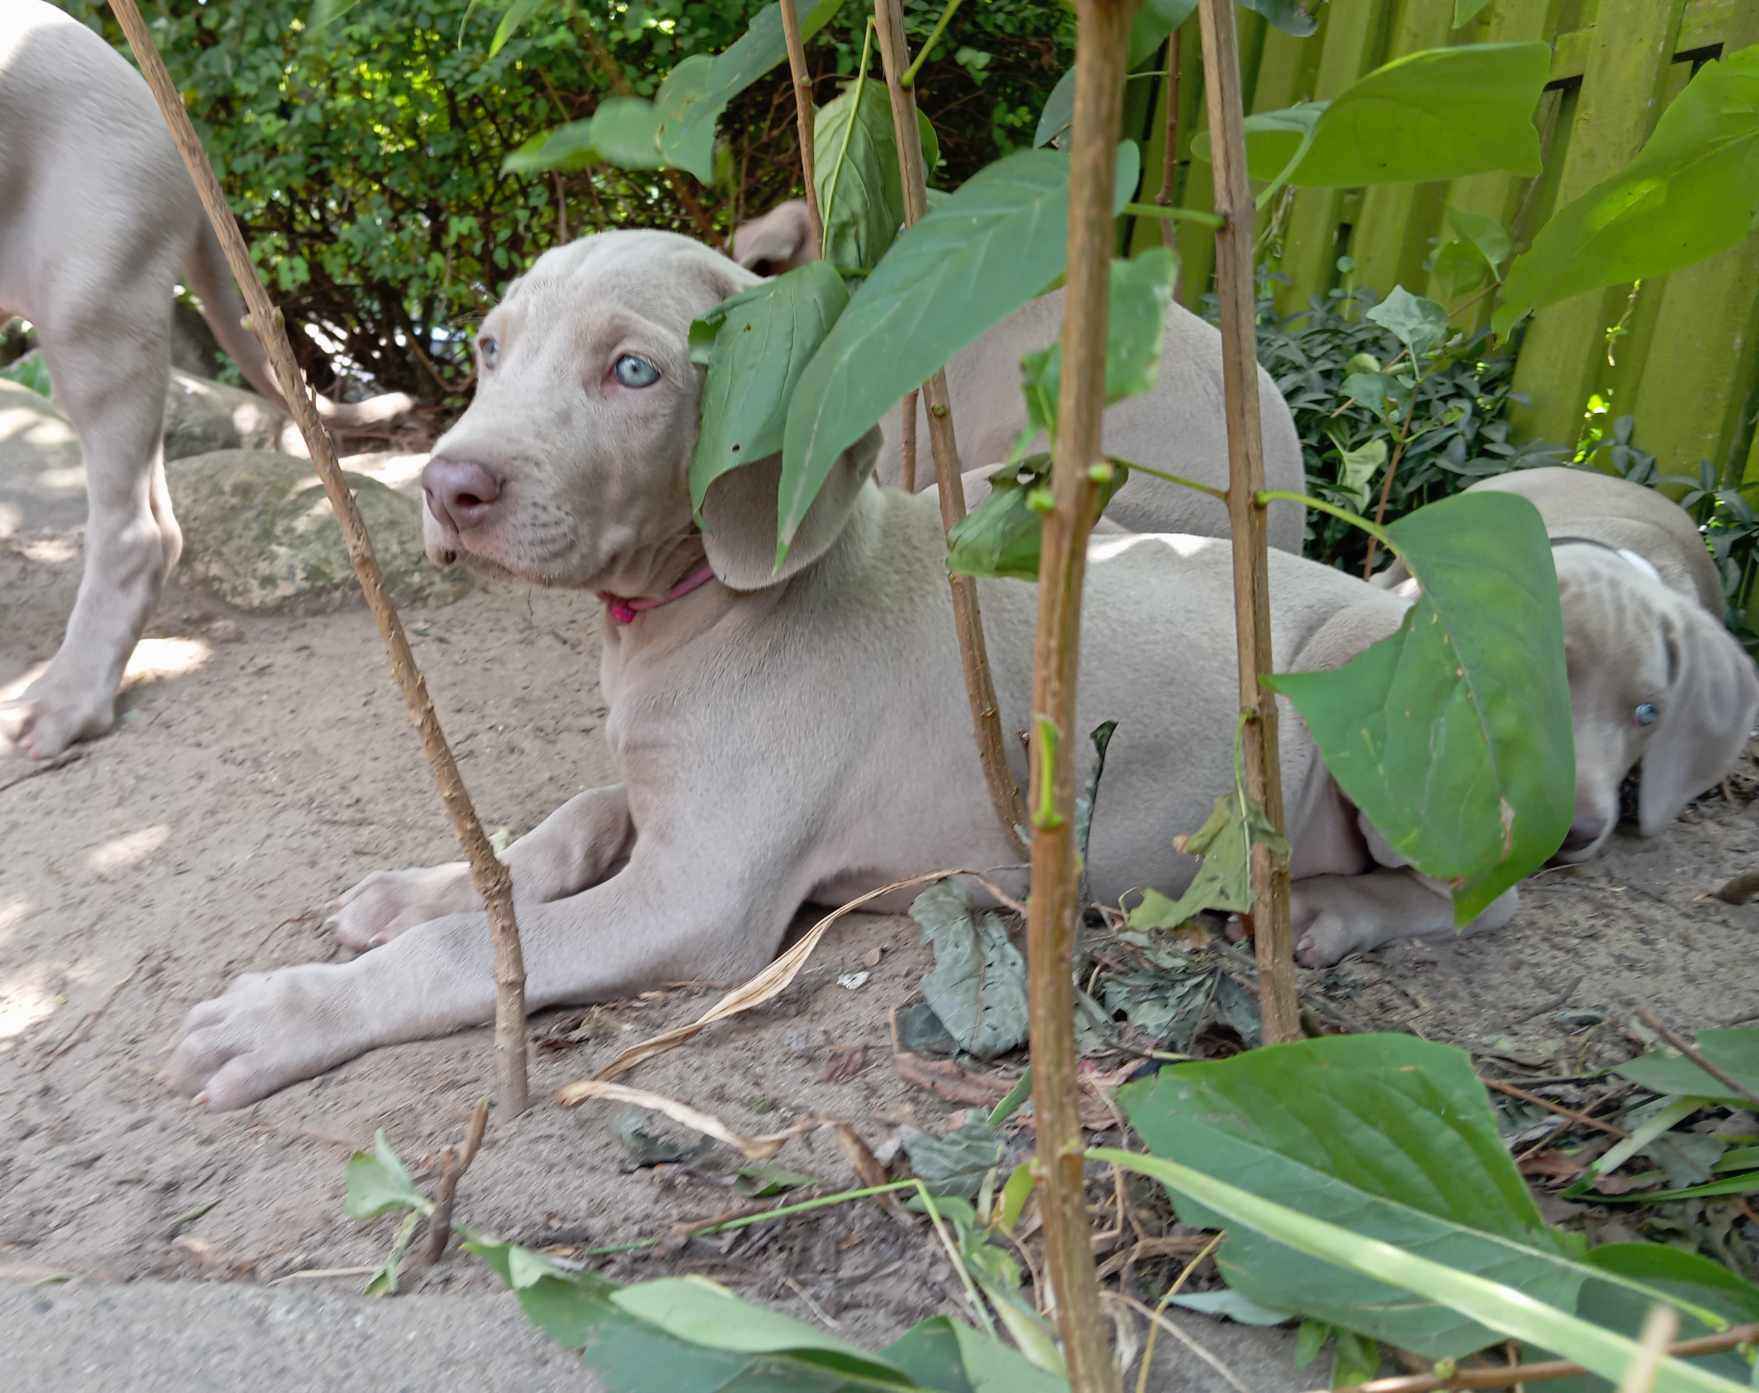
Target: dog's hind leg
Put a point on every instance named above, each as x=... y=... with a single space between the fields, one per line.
x=109 y=361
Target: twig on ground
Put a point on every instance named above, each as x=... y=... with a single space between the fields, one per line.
x=945 y=1079
x=1158 y=1320
x=77 y=1033
x=1507 y=1376
x=1693 y=1053
x=487 y=873
x=1155 y=1322
x=751 y=1148
x=453 y=1164
x=1581 y=1118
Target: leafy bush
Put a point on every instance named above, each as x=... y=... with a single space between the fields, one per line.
x=1459 y=431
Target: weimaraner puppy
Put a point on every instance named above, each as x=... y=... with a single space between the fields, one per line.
x=1656 y=679
x=782 y=739
x=1180 y=426
x=97 y=220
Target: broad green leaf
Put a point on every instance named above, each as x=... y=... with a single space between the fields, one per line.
x=855 y=169
x=1735 y=1052
x=570 y=1307
x=563 y=147
x=1416 y=322
x=1454 y=735
x=1357 y=469
x=954 y=1163
x=1688 y=1277
x=378 y=1180
x=1138 y=293
x=1001 y=537
x=978 y=983
x=991 y=247
x=1291 y=16
x=949 y=1357
x=1224 y=880
x=511 y=22
x=1225 y=1301
x=1465 y=11
x=624 y=131
x=758 y=343
x=1460 y=268
x=1691 y=192
x=1154 y=21
x=1485 y=234
x=1436 y=114
x=1394 y=1140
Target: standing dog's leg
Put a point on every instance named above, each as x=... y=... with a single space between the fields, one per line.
x=112 y=387
x=573 y=848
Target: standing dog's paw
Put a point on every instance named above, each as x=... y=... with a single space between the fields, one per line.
x=268 y=1030
x=41 y=726
x=387 y=902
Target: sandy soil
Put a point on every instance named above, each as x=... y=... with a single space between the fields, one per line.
x=265 y=764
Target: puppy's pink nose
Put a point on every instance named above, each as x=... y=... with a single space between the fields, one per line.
x=460 y=492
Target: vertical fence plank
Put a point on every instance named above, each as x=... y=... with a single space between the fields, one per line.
x=1353 y=38
x=1629 y=49
x=1702 y=356
x=1392 y=236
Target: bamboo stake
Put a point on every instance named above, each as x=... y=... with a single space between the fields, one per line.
x=1233 y=277
x=802 y=113
x=1102 y=33
x=487 y=873
x=980 y=687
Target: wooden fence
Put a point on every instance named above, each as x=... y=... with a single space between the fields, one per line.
x=1687 y=367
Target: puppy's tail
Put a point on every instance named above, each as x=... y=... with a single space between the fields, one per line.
x=211 y=279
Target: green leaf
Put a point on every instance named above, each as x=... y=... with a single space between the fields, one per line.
x=1224 y=880
x=1393 y=1138
x=758 y=343
x=570 y=1307
x=1355 y=1359
x=1417 y=323
x=1454 y=735
x=1465 y=11
x=378 y=1180
x=384 y=1281
x=978 y=983
x=1735 y=1052
x=624 y=131
x=1021 y=1181
x=1154 y=21
x=1357 y=468
x=855 y=169
x=1733 y=1185
x=949 y=1357
x=511 y=22
x=1291 y=16
x=1225 y=1301
x=1138 y=293
x=762 y=1179
x=1488 y=237
x=974 y=260
x=1440 y=113
x=1691 y=192
x=954 y=1163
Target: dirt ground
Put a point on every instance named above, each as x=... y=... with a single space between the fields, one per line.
x=265 y=764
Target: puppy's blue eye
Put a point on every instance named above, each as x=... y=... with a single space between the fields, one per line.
x=490 y=351
x=635 y=372
x=1647 y=714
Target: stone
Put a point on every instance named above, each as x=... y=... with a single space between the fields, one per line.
x=203 y=416
x=42 y=479
x=259 y=534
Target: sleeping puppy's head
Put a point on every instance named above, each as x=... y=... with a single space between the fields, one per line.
x=571 y=466
x=1654 y=677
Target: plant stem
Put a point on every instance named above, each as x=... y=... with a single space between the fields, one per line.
x=1278 y=1005
x=802 y=112
x=907 y=439
x=1392 y=468
x=1196 y=215
x=487 y=873
x=934 y=37
x=1343 y=514
x=1169 y=155
x=1171 y=478
x=848 y=130
x=1100 y=51
x=980 y=689
x=1509 y=1375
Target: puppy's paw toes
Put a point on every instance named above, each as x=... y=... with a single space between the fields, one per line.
x=386 y=903
x=268 y=1030
x=1325 y=941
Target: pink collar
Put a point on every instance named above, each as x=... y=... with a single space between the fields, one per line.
x=623 y=611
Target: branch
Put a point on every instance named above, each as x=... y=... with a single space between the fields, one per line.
x=487 y=873
x=1693 y=1053
x=453 y=1164
x=1233 y=279
x=803 y=112
x=980 y=689
x=1103 y=28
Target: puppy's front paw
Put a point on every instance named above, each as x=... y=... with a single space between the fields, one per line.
x=1325 y=940
x=268 y=1030
x=43 y=723
x=387 y=902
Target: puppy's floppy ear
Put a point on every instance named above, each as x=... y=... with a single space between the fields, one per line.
x=739 y=515
x=778 y=241
x=1709 y=711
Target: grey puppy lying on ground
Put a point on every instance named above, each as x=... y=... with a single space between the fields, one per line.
x=1181 y=426
x=782 y=739
x=97 y=221
x=1655 y=676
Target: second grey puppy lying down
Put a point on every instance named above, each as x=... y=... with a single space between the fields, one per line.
x=1656 y=679
x=787 y=739
x=1180 y=426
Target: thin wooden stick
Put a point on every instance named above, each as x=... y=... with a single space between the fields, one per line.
x=453 y=1163
x=907 y=439
x=1169 y=158
x=980 y=689
x=1508 y=1375
x=802 y=112
x=1693 y=1053
x=1278 y=1005
x=1581 y=1118
x=487 y=873
x=1101 y=41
